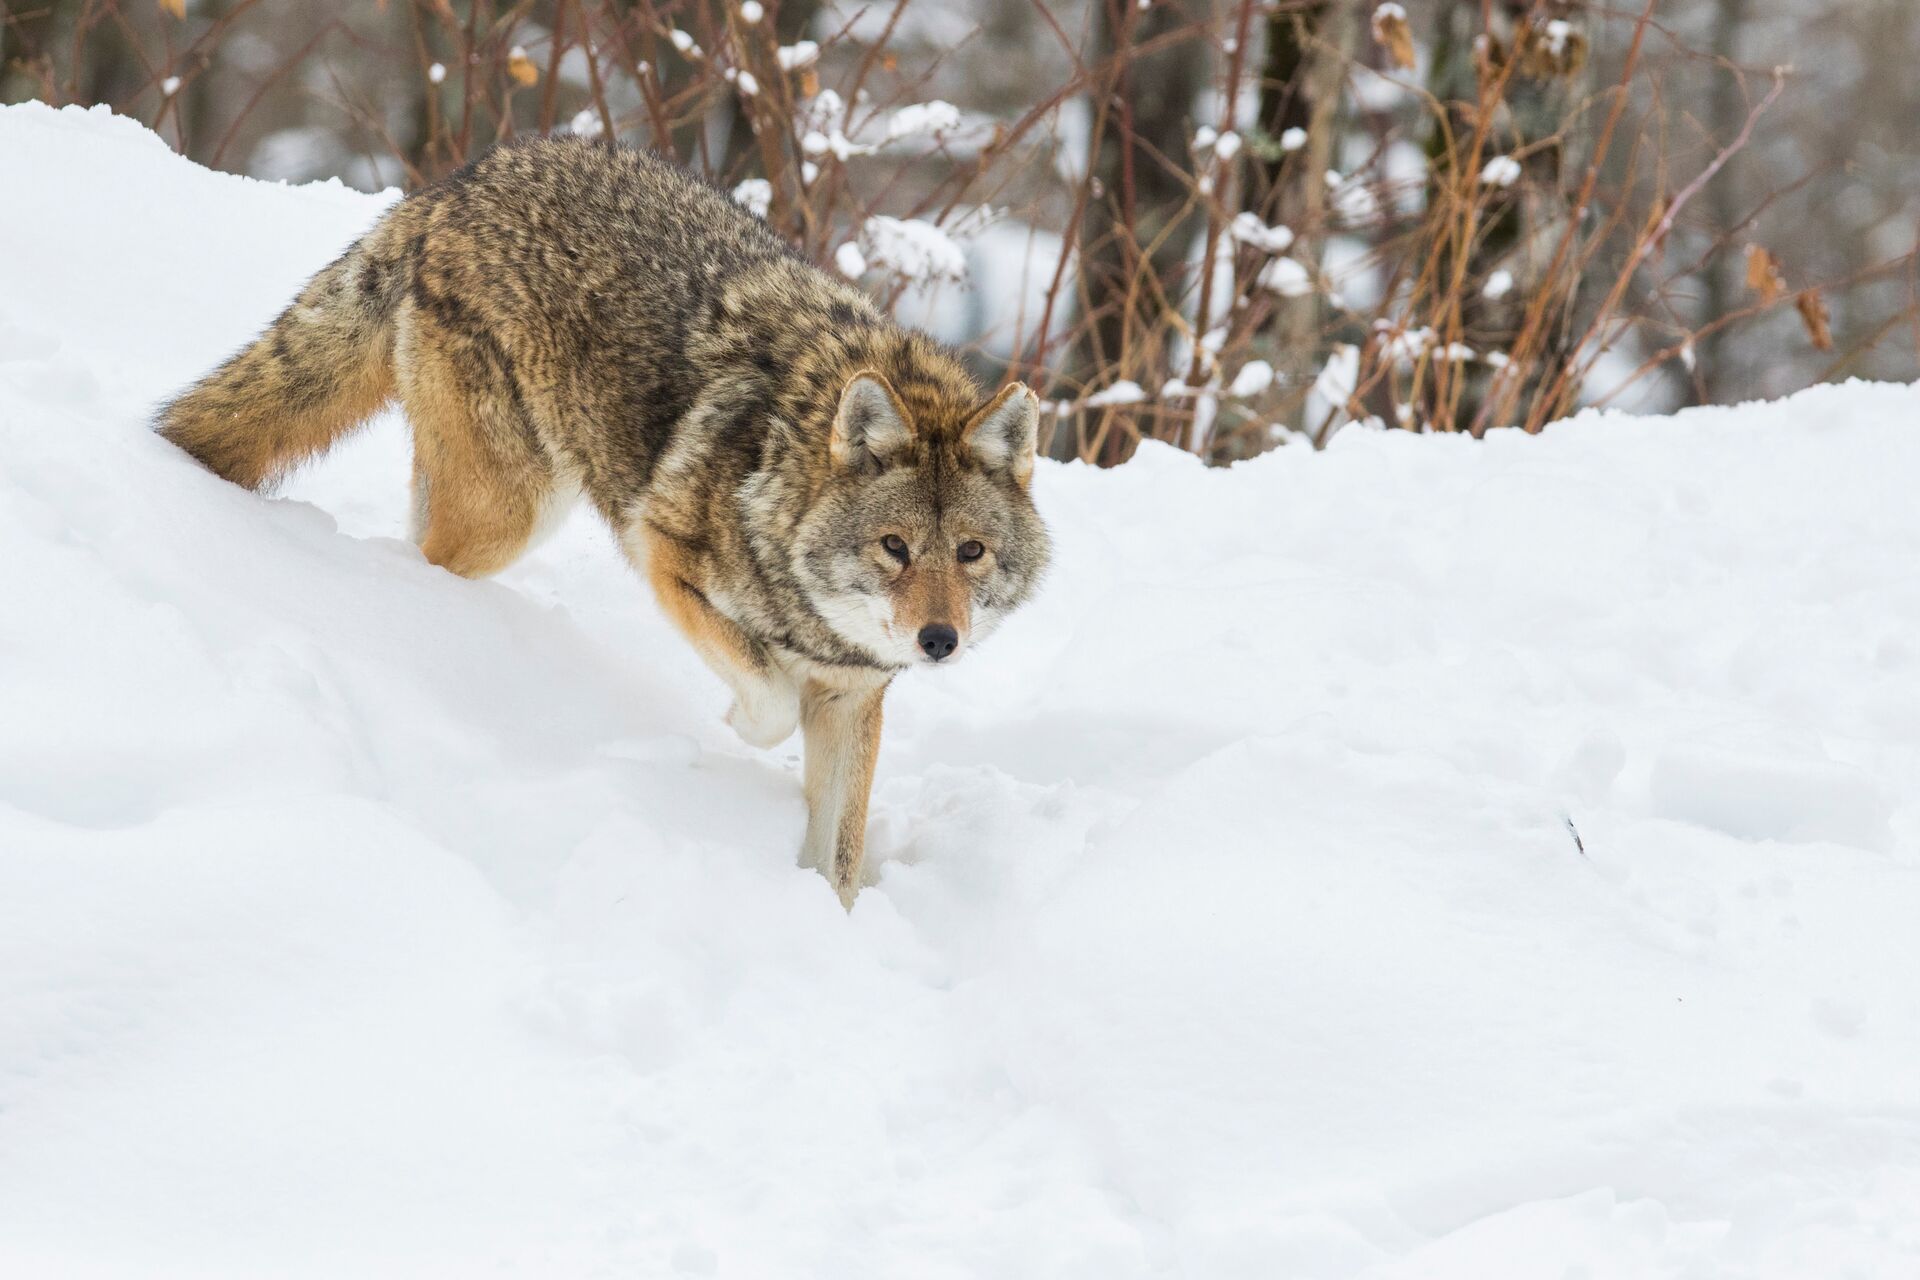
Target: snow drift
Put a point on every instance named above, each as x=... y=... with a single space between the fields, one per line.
x=1426 y=859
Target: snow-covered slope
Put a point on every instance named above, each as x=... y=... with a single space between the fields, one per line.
x=1229 y=920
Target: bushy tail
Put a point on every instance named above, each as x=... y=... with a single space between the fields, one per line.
x=319 y=371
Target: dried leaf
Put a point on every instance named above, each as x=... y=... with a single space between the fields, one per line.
x=1655 y=237
x=1551 y=50
x=809 y=83
x=174 y=8
x=1763 y=274
x=1813 y=314
x=521 y=69
x=1391 y=31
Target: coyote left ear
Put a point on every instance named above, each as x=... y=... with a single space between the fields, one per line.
x=1005 y=433
x=869 y=429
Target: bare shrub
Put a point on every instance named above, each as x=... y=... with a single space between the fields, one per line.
x=1219 y=225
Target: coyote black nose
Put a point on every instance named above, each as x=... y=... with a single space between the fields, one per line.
x=938 y=640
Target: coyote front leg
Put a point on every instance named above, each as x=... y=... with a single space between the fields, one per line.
x=766 y=700
x=842 y=727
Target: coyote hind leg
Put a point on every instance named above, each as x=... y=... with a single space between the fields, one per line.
x=481 y=480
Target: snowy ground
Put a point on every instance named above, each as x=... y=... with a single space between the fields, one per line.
x=356 y=920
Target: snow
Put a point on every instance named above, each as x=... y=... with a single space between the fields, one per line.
x=825 y=111
x=1286 y=277
x=797 y=56
x=1254 y=378
x=1003 y=297
x=850 y=261
x=1339 y=378
x=911 y=249
x=1559 y=31
x=1125 y=391
x=1426 y=858
x=918 y=118
x=1501 y=171
x=1248 y=229
x=1352 y=199
x=755 y=194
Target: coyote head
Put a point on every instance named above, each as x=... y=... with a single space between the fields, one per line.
x=924 y=536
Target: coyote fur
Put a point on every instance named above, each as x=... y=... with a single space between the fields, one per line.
x=819 y=498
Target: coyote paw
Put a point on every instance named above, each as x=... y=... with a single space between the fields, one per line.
x=845 y=882
x=766 y=718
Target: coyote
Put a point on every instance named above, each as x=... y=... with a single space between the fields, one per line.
x=819 y=498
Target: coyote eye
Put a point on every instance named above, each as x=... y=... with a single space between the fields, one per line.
x=896 y=547
x=971 y=550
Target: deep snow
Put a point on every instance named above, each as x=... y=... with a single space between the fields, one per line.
x=356 y=920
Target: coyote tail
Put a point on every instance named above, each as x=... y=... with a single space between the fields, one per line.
x=320 y=370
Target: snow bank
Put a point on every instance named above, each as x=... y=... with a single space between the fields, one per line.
x=1229 y=919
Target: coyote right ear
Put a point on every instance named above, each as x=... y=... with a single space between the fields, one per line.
x=870 y=429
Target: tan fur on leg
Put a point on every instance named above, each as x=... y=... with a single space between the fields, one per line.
x=842 y=726
x=481 y=482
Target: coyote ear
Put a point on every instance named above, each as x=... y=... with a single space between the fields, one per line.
x=1005 y=433
x=870 y=429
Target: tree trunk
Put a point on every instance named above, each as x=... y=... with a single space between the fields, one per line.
x=791 y=18
x=1518 y=223
x=1141 y=218
x=1307 y=52
x=1717 y=371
